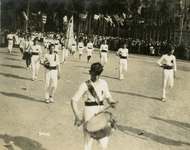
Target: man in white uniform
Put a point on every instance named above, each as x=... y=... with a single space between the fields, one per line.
x=73 y=47
x=91 y=105
x=122 y=53
x=10 y=42
x=89 y=49
x=52 y=73
x=36 y=52
x=81 y=48
x=104 y=53
x=169 y=69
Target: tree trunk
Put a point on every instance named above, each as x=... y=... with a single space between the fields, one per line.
x=118 y=28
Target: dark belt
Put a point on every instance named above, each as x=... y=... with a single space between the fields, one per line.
x=10 y=39
x=104 y=51
x=33 y=53
x=93 y=103
x=51 y=68
x=80 y=47
x=56 y=44
x=123 y=57
x=89 y=48
x=168 y=67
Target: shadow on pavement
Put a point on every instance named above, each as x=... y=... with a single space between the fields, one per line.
x=12 y=66
x=83 y=67
x=135 y=94
x=13 y=76
x=103 y=76
x=173 y=122
x=22 y=142
x=160 y=139
x=13 y=59
x=20 y=96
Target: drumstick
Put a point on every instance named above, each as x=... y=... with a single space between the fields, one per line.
x=106 y=108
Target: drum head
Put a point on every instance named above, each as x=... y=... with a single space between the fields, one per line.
x=98 y=122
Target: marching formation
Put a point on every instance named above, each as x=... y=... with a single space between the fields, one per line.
x=93 y=91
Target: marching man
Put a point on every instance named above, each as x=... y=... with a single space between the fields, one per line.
x=10 y=42
x=104 y=53
x=51 y=63
x=73 y=48
x=93 y=105
x=122 y=53
x=36 y=52
x=89 y=49
x=169 y=70
x=80 y=47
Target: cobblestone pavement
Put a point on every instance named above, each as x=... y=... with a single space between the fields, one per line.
x=143 y=121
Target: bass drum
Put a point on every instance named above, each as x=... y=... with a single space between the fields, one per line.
x=101 y=125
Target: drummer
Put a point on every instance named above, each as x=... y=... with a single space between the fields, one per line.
x=93 y=104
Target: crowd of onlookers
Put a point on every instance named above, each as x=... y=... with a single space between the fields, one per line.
x=135 y=46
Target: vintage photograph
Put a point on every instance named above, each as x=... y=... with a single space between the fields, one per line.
x=95 y=75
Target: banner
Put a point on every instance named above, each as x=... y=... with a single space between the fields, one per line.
x=70 y=34
x=116 y=17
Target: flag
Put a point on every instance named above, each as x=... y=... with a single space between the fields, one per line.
x=65 y=19
x=70 y=34
x=116 y=17
x=140 y=10
x=83 y=15
x=96 y=17
x=121 y=20
x=44 y=18
x=25 y=16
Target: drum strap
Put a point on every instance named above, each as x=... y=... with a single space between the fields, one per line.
x=92 y=91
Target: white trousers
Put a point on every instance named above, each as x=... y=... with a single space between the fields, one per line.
x=64 y=55
x=35 y=65
x=50 y=82
x=89 y=112
x=10 y=45
x=167 y=78
x=81 y=50
x=89 y=52
x=104 y=58
x=122 y=67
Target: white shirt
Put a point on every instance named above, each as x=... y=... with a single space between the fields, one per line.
x=80 y=45
x=53 y=59
x=104 y=47
x=89 y=46
x=170 y=61
x=36 y=49
x=123 y=52
x=101 y=88
x=10 y=36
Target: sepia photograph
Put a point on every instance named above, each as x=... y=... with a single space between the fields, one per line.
x=94 y=74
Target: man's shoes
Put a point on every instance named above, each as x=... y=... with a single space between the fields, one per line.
x=51 y=100
x=47 y=101
x=163 y=99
